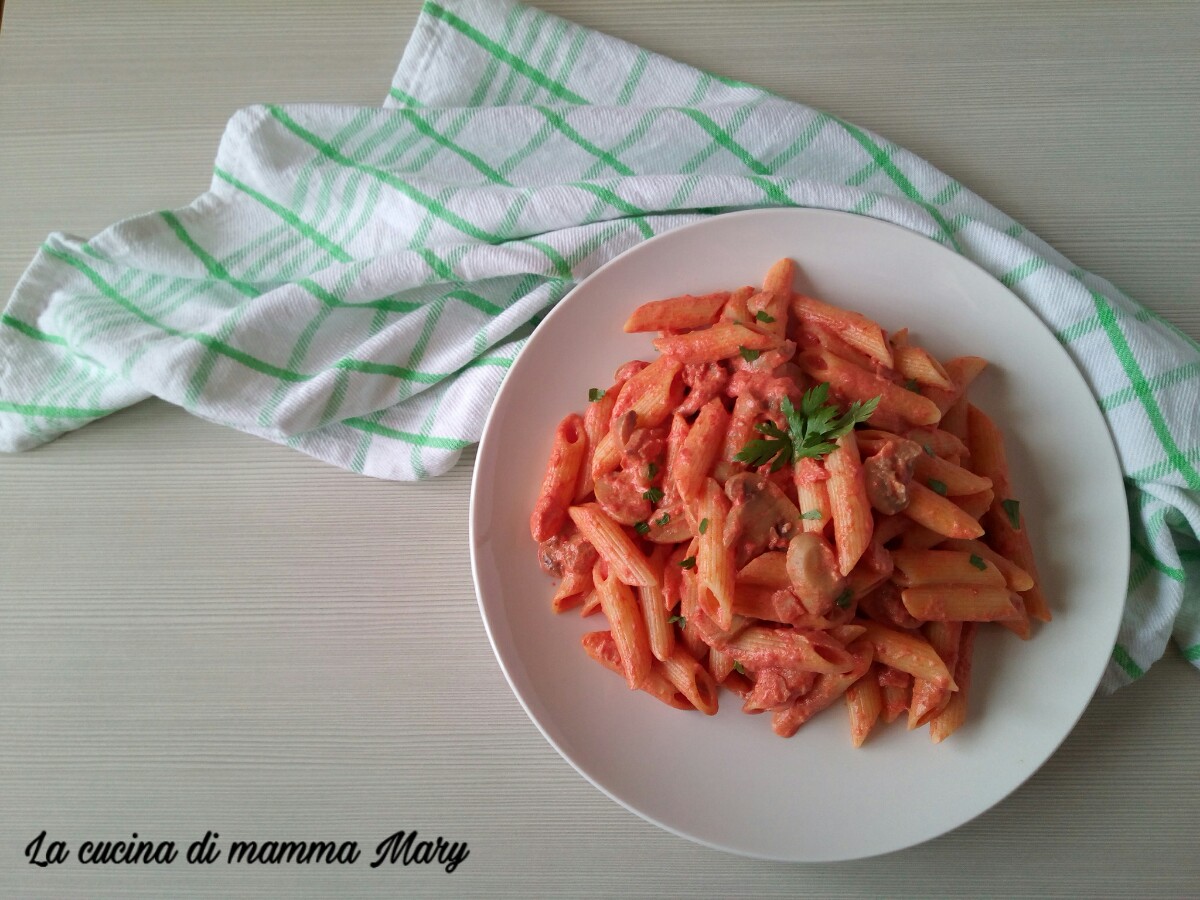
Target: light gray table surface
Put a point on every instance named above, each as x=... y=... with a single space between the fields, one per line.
x=245 y=640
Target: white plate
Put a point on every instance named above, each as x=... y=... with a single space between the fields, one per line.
x=728 y=781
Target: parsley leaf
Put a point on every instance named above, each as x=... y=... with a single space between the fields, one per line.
x=812 y=514
x=843 y=599
x=677 y=619
x=689 y=563
x=977 y=562
x=739 y=668
x=642 y=527
x=928 y=450
x=666 y=517
x=653 y=495
x=812 y=430
x=1013 y=509
x=911 y=385
x=703 y=525
x=651 y=470
x=762 y=316
x=595 y=394
x=938 y=487
x=749 y=355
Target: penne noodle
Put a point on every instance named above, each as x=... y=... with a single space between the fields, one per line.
x=571 y=591
x=916 y=364
x=654 y=608
x=653 y=393
x=907 y=652
x=768 y=570
x=736 y=309
x=720 y=665
x=591 y=603
x=558 y=485
x=595 y=426
x=928 y=698
x=939 y=514
x=1016 y=577
x=714 y=560
x=956 y=480
x=921 y=567
x=975 y=505
x=692 y=680
x=855 y=329
x=895 y=688
x=771 y=315
x=827 y=689
x=937 y=441
x=1004 y=521
x=951 y=718
x=1019 y=624
x=613 y=544
x=864 y=701
x=958 y=602
x=812 y=651
x=626 y=623
x=898 y=408
x=699 y=450
x=723 y=340
x=601 y=647
x=677 y=313
x=850 y=508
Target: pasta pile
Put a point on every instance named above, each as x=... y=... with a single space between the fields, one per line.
x=790 y=503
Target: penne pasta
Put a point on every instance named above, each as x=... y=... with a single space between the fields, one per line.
x=907 y=652
x=951 y=718
x=715 y=563
x=613 y=544
x=677 y=313
x=654 y=609
x=958 y=603
x=601 y=647
x=558 y=485
x=788 y=503
x=1004 y=521
x=938 y=514
x=854 y=328
x=921 y=567
x=626 y=623
x=849 y=506
x=864 y=701
x=723 y=340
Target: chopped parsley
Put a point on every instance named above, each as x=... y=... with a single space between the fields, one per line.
x=651 y=470
x=977 y=562
x=843 y=599
x=928 y=450
x=666 y=517
x=812 y=430
x=739 y=668
x=595 y=394
x=653 y=495
x=762 y=316
x=1013 y=509
x=689 y=563
x=749 y=355
x=679 y=620
x=703 y=525
x=912 y=385
x=642 y=527
x=938 y=487
x=812 y=514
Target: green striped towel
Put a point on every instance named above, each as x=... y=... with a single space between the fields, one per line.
x=356 y=282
